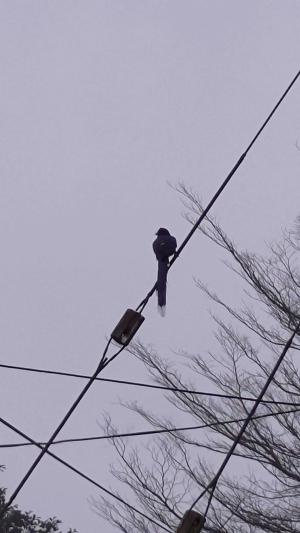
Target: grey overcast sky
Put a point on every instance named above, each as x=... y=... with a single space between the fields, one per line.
x=102 y=104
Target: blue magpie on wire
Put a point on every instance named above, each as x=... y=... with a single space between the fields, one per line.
x=164 y=246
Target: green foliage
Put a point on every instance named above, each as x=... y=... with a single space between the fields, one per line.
x=16 y=521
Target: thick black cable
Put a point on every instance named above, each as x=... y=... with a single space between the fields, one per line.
x=213 y=483
x=148 y=385
x=205 y=211
x=102 y=364
x=149 y=432
x=81 y=474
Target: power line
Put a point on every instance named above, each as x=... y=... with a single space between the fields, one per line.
x=205 y=211
x=81 y=474
x=149 y=432
x=213 y=483
x=148 y=385
x=142 y=305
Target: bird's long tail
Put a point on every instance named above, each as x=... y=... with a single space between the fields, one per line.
x=162 y=283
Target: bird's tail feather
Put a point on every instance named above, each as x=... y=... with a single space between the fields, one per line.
x=162 y=310
x=162 y=282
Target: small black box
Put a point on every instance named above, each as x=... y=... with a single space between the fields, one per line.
x=192 y=522
x=127 y=327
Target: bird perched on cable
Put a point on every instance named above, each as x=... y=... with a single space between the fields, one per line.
x=164 y=246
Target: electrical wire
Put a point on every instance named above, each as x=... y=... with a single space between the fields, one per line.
x=81 y=474
x=213 y=483
x=103 y=362
x=149 y=432
x=205 y=211
x=149 y=385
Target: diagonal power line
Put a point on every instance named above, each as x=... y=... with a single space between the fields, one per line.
x=142 y=305
x=149 y=432
x=149 y=385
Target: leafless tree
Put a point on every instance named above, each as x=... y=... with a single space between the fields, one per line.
x=261 y=492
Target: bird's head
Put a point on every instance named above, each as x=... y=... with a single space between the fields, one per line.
x=162 y=231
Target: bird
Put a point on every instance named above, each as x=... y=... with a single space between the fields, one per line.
x=164 y=246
